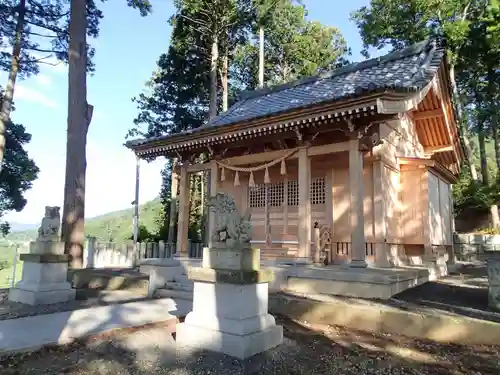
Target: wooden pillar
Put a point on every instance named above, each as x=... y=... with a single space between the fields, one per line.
x=358 y=251
x=304 y=227
x=214 y=182
x=379 y=216
x=183 y=218
x=174 y=186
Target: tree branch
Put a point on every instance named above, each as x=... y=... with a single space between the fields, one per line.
x=466 y=9
x=40 y=35
x=47 y=27
x=44 y=12
x=41 y=50
x=198 y=22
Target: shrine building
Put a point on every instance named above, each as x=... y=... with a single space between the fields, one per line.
x=352 y=167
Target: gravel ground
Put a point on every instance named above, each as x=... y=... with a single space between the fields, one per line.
x=13 y=310
x=306 y=350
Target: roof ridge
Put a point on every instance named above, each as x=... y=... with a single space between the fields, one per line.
x=414 y=49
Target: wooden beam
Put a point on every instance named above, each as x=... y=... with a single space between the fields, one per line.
x=416 y=161
x=437 y=149
x=193 y=168
x=424 y=115
x=264 y=157
x=448 y=117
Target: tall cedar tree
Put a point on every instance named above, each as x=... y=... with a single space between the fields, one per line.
x=177 y=97
x=79 y=117
x=37 y=33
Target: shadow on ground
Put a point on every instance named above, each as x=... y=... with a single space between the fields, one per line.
x=306 y=350
x=464 y=293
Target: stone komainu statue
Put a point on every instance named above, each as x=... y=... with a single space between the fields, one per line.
x=237 y=228
x=49 y=229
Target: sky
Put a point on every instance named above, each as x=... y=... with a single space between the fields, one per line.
x=126 y=53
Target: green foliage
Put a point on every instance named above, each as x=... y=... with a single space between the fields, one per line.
x=18 y=172
x=488 y=231
x=294 y=47
x=400 y=23
x=45 y=31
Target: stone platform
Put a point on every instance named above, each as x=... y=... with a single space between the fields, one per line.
x=369 y=283
x=43 y=280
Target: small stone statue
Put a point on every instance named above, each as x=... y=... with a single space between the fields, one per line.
x=49 y=229
x=237 y=228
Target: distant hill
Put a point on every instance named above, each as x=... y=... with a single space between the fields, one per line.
x=19 y=227
x=112 y=226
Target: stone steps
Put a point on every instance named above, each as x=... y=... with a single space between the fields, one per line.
x=277 y=253
x=90 y=282
x=174 y=294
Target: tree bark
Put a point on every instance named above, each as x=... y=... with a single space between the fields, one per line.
x=78 y=122
x=213 y=77
x=261 y=57
x=482 y=154
x=493 y=116
x=225 y=82
x=464 y=130
x=8 y=96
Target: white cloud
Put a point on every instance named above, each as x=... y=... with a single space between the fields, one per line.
x=31 y=95
x=110 y=182
x=44 y=80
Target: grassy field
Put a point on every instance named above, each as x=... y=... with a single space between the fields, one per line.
x=7 y=254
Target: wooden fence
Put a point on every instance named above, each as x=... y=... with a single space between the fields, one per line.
x=126 y=255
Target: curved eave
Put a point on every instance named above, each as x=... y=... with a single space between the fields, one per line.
x=203 y=138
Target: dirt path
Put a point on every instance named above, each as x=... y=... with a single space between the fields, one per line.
x=306 y=350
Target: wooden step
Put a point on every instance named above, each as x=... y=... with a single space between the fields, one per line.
x=277 y=253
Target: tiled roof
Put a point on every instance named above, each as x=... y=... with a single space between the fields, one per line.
x=408 y=70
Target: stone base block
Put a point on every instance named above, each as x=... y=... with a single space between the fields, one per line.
x=239 y=346
x=239 y=259
x=47 y=247
x=42 y=297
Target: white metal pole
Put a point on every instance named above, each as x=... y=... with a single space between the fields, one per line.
x=136 y=202
x=16 y=254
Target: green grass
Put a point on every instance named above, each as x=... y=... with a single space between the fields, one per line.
x=114 y=226
x=7 y=254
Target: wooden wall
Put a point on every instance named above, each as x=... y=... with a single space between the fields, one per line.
x=334 y=212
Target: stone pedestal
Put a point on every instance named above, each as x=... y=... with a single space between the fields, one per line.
x=493 y=266
x=44 y=279
x=230 y=305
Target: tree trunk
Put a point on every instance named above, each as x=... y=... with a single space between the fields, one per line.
x=213 y=78
x=78 y=122
x=482 y=154
x=261 y=57
x=492 y=110
x=225 y=82
x=8 y=96
x=464 y=131
x=495 y=218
